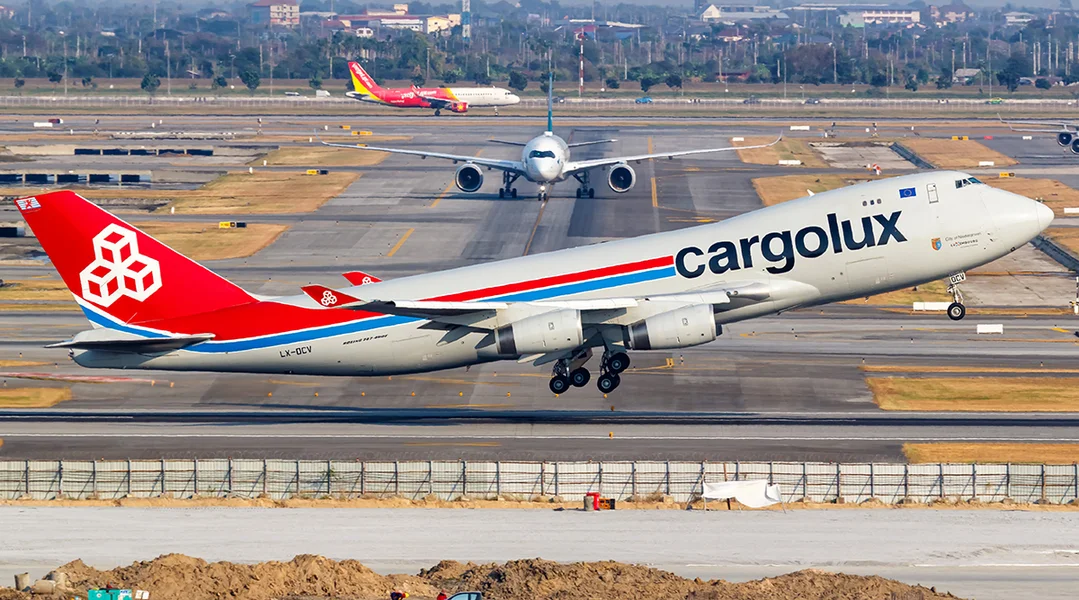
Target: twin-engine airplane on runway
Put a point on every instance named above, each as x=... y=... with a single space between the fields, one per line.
x=545 y=160
x=456 y=99
x=1067 y=132
x=152 y=308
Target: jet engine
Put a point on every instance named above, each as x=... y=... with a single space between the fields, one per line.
x=1075 y=146
x=459 y=107
x=1064 y=138
x=468 y=178
x=680 y=328
x=621 y=178
x=547 y=332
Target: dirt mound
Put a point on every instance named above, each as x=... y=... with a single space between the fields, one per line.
x=307 y=576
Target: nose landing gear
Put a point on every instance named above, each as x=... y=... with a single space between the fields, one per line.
x=956 y=310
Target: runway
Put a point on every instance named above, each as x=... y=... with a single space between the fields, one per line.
x=790 y=387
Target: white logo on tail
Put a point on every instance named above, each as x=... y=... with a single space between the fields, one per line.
x=328 y=299
x=118 y=269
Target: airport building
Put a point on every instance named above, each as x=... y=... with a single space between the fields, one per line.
x=285 y=13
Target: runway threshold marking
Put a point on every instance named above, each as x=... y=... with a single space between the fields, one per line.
x=400 y=242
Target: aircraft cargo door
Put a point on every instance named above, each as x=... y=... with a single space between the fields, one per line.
x=869 y=274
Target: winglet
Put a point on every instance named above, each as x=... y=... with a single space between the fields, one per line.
x=360 y=278
x=327 y=297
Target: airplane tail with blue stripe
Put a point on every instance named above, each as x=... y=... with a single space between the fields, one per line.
x=118 y=274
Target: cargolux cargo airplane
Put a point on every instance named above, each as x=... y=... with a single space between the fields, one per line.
x=455 y=99
x=152 y=308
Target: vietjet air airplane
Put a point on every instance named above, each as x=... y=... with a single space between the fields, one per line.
x=152 y=308
x=455 y=99
x=545 y=160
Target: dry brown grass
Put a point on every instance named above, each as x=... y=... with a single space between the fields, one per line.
x=207 y=241
x=319 y=157
x=960 y=369
x=955 y=154
x=785 y=149
x=973 y=394
x=34 y=289
x=775 y=190
x=986 y=452
x=33 y=397
x=1053 y=193
x=263 y=192
x=934 y=291
x=10 y=364
x=1065 y=236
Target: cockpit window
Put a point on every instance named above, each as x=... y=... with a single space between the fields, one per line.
x=541 y=154
x=962 y=183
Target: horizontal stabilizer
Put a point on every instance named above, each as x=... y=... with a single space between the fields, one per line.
x=360 y=278
x=119 y=341
x=591 y=143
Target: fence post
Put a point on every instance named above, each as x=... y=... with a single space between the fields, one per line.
x=26 y=477
x=1075 y=480
x=363 y=477
x=60 y=478
x=230 y=477
x=297 y=477
x=1008 y=480
x=162 y=476
x=600 y=473
x=498 y=479
x=556 y=479
x=633 y=479
x=906 y=481
x=431 y=477
x=805 y=481
x=974 y=481
x=940 y=478
x=196 y=477
x=93 y=478
x=543 y=478
x=771 y=472
x=265 y=479
x=329 y=477
x=668 y=478
x=1043 y=483
x=872 y=483
x=838 y=481
x=129 y=477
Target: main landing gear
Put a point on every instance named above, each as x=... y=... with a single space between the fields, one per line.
x=956 y=310
x=438 y=113
x=584 y=190
x=507 y=181
x=571 y=371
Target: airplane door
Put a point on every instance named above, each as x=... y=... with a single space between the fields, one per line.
x=931 y=192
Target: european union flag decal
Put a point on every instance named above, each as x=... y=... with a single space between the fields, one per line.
x=907 y=193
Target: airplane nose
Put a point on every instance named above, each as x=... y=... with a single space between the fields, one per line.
x=1045 y=216
x=514 y=98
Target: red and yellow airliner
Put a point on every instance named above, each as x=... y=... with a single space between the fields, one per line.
x=456 y=99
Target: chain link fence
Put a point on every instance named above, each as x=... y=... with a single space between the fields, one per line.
x=451 y=480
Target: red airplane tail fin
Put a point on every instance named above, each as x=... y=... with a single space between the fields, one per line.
x=362 y=82
x=118 y=273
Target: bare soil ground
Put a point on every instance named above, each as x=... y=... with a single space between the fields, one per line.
x=1065 y=236
x=308 y=576
x=947 y=452
x=955 y=154
x=1003 y=394
x=786 y=149
x=208 y=241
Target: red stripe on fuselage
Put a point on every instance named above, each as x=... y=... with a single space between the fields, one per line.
x=269 y=317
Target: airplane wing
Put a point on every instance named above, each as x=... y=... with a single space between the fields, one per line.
x=502 y=165
x=508 y=143
x=582 y=165
x=592 y=143
x=1041 y=126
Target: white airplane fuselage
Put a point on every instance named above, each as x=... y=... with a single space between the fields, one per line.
x=544 y=158
x=847 y=243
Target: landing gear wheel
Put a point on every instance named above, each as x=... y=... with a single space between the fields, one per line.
x=591 y=192
x=559 y=384
x=608 y=382
x=618 y=362
x=513 y=193
x=438 y=113
x=578 y=192
x=956 y=311
x=501 y=192
x=579 y=377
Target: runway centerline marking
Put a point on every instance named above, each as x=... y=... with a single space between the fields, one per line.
x=535 y=227
x=400 y=242
x=655 y=198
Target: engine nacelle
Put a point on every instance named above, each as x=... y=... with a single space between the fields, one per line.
x=548 y=332
x=1075 y=146
x=468 y=178
x=621 y=178
x=680 y=328
x=459 y=107
x=1064 y=138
